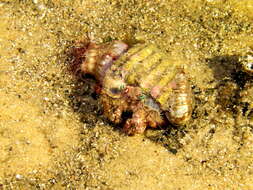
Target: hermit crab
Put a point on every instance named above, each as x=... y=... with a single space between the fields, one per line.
x=141 y=80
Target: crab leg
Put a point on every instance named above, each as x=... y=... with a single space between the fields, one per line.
x=136 y=124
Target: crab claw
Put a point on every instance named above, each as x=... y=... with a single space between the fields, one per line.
x=111 y=112
x=116 y=116
x=136 y=124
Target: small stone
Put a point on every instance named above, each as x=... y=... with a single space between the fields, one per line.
x=19 y=177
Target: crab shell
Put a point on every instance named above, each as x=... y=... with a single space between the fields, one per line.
x=141 y=80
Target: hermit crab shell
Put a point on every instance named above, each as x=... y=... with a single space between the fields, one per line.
x=181 y=101
x=99 y=58
x=159 y=76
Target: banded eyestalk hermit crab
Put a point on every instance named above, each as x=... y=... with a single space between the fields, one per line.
x=140 y=80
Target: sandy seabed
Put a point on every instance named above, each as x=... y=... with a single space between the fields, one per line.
x=52 y=131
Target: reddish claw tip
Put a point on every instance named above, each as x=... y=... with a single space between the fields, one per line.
x=77 y=55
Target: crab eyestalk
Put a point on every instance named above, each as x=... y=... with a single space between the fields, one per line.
x=113 y=86
x=99 y=58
